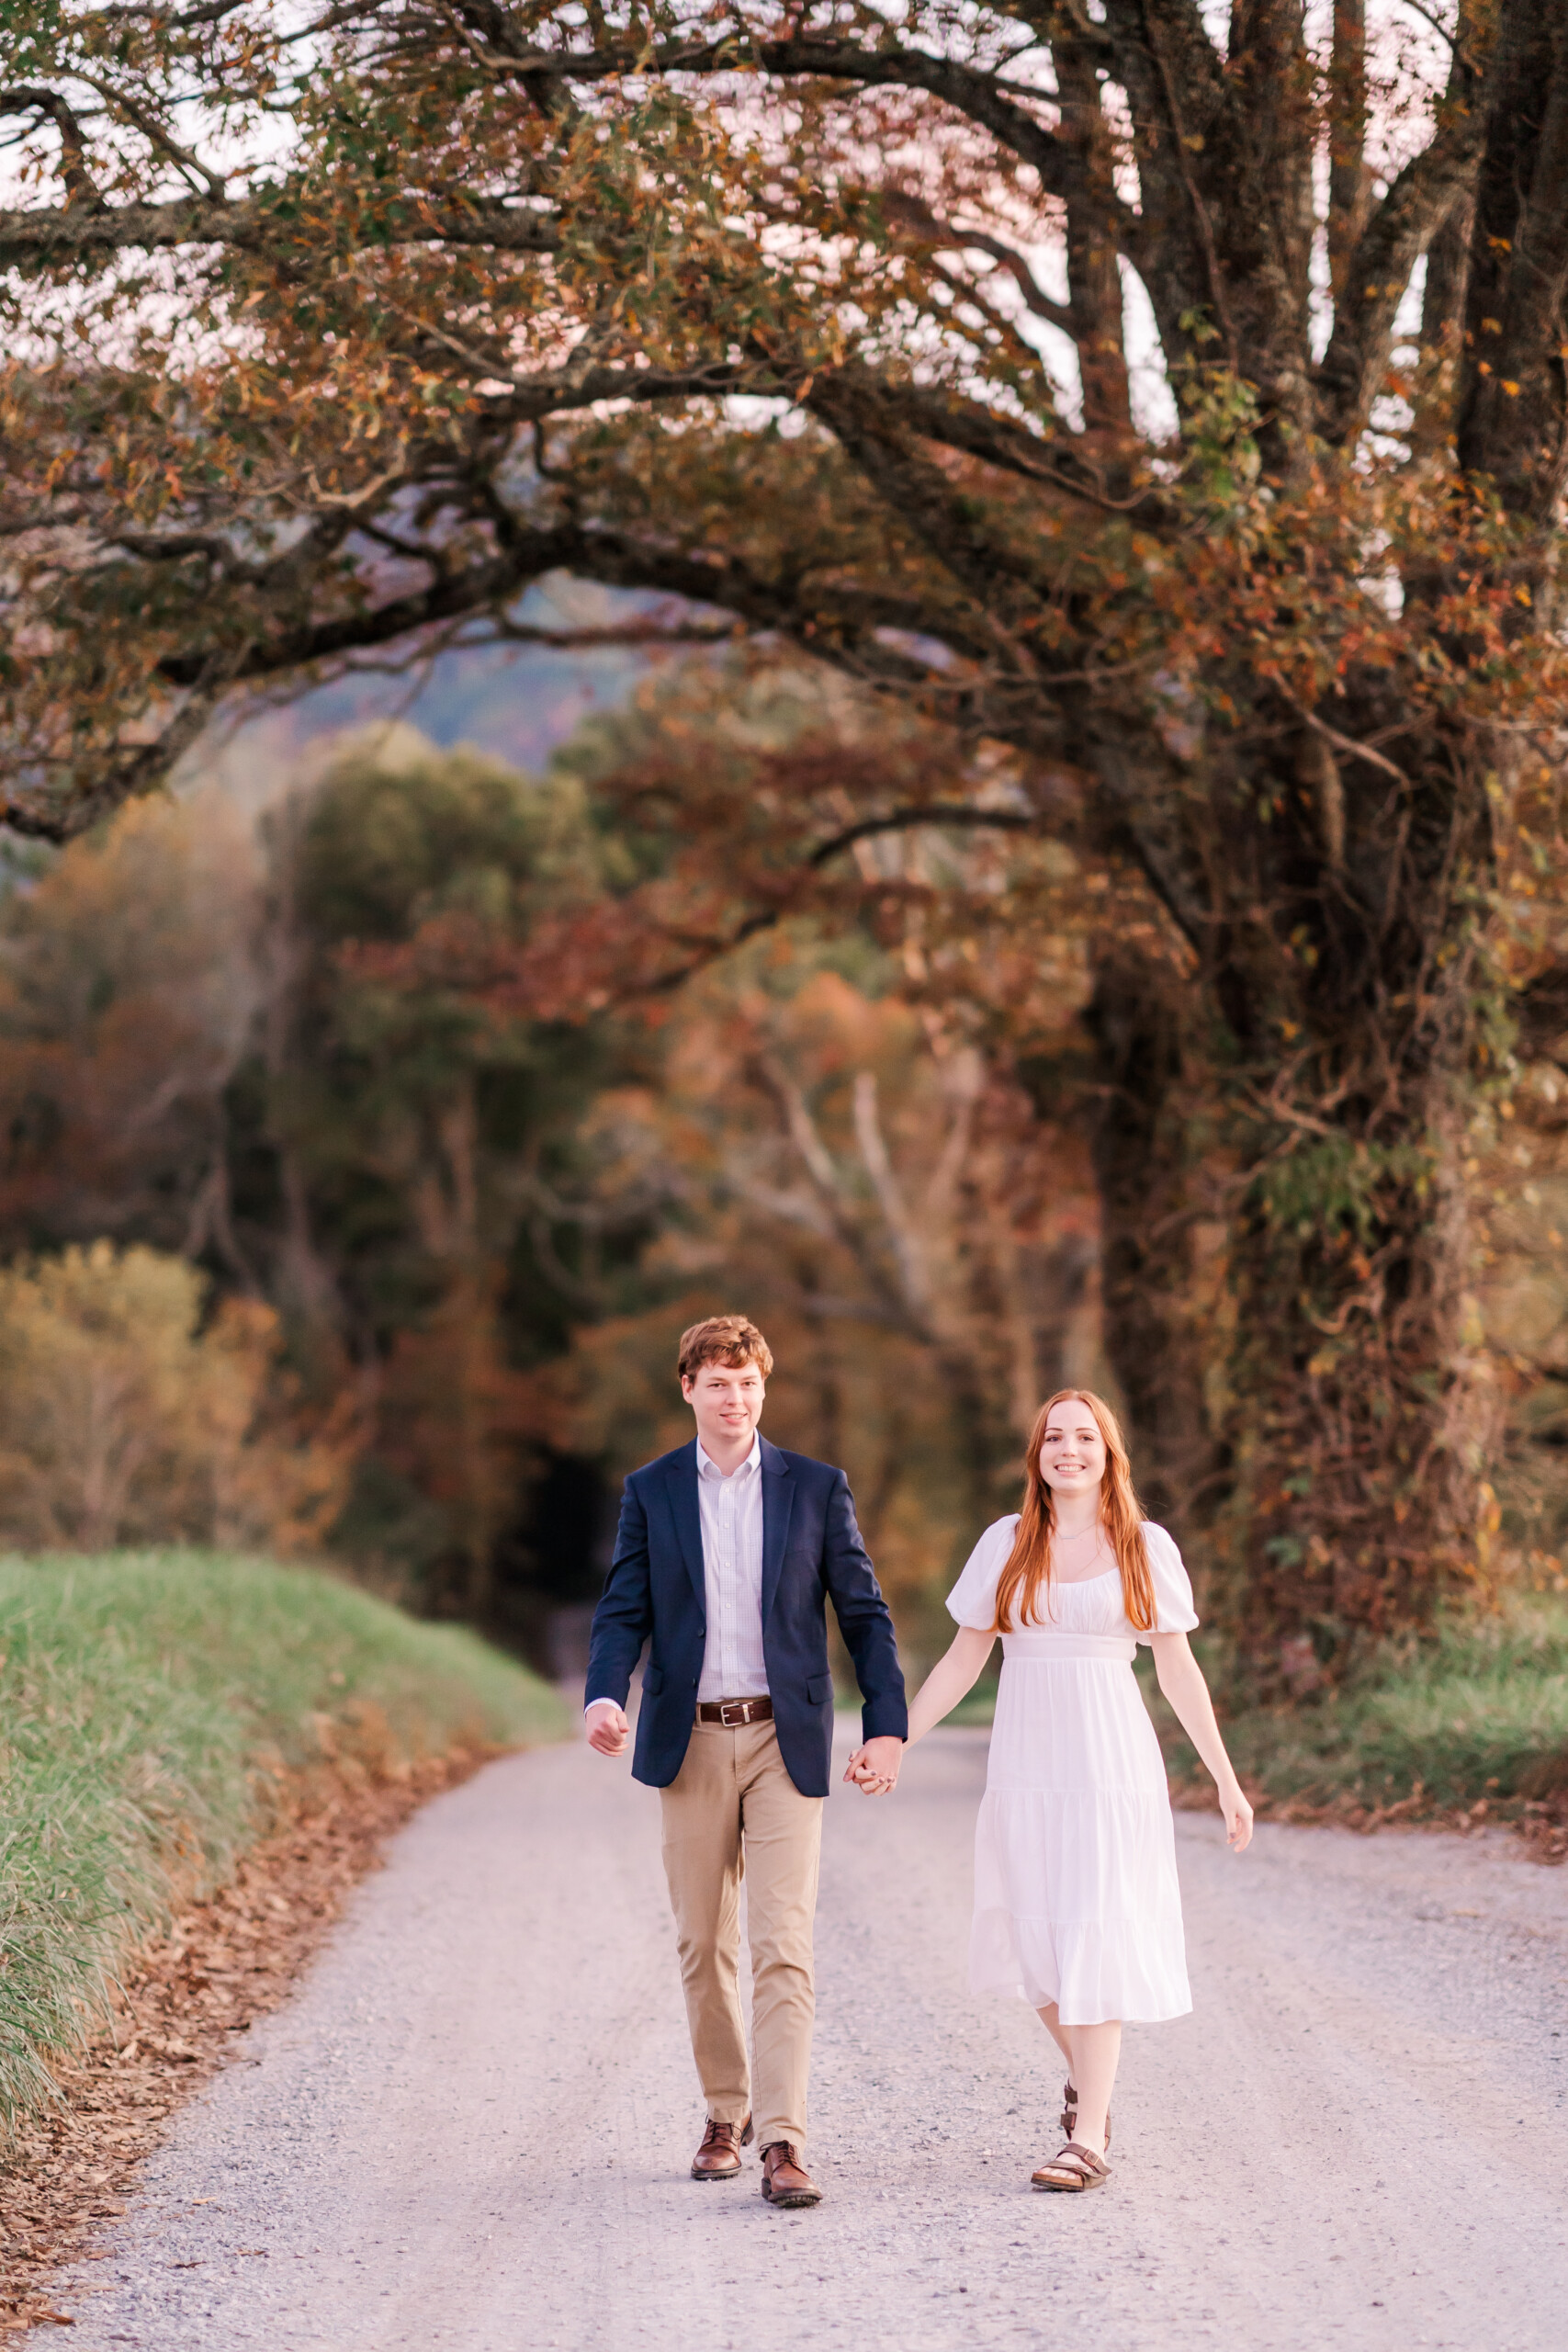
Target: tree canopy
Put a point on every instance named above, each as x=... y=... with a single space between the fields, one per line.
x=297 y=294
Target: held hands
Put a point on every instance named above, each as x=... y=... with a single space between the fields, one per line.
x=873 y=1768
x=608 y=1730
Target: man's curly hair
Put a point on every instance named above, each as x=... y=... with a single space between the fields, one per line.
x=730 y=1339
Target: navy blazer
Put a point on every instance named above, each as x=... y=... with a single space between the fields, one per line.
x=811 y=1549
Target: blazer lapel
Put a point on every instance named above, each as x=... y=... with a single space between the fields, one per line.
x=681 y=1487
x=778 y=1501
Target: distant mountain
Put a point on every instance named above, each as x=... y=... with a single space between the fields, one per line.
x=517 y=702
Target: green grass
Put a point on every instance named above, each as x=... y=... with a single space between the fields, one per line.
x=149 y=1702
x=1479 y=1710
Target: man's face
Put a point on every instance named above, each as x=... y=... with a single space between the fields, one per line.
x=727 y=1402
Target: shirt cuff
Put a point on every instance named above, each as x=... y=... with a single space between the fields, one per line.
x=588 y=1710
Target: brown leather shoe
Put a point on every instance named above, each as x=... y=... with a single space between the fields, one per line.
x=718 y=2158
x=785 y=2180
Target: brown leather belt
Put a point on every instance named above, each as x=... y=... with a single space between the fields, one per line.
x=732 y=1712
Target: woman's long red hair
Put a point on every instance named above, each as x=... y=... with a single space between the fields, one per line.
x=1028 y=1576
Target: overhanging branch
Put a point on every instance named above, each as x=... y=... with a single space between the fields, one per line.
x=938 y=813
x=1000 y=107
x=54 y=234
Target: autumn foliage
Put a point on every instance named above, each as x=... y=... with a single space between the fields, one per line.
x=1165 y=434
x=124 y=1420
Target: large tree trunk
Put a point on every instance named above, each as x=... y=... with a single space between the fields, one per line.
x=1355 y=1013
x=1156 y=1344
x=1356 y=1436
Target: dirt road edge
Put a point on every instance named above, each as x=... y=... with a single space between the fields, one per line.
x=183 y=2009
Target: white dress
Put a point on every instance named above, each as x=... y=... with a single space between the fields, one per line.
x=1076 y=1894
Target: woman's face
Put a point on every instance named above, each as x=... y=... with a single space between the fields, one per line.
x=1072 y=1451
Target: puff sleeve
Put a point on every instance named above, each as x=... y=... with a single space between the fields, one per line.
x=972 y=1601
x=1174 y=1612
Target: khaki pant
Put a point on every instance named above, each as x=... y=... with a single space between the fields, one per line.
x=733 y=1810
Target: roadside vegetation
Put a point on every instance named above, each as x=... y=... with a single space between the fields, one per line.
x=158 y=1707
x=1474 y=1715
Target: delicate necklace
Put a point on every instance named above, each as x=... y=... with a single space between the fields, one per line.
x=1079 y=1536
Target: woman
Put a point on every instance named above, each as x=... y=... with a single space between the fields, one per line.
x=1077 y=1904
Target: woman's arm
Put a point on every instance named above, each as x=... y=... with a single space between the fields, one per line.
x=949 y=1680
x=952 y=1678
x=1181 y=1679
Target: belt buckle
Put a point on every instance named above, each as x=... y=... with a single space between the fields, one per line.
x=733 y=1721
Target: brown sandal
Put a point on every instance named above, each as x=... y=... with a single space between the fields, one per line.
x=1068 y=2117
x=1072 y=2169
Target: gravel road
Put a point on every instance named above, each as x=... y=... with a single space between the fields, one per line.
x=470 y=2131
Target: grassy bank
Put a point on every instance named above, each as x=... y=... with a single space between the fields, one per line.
x=1479 y=1710
x=151 y=1706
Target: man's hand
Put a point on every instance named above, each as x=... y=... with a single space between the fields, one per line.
x=875 y=1767
x=608 y=1730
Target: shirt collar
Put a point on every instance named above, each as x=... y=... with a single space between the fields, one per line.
x=708 y=1468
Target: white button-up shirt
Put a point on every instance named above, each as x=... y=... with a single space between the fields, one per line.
x=731 y=1509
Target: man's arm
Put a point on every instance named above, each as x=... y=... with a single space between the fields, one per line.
x=867 y=1628
x=621 y=1623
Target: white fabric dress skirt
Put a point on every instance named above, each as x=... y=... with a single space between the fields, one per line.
x=1076 y=1893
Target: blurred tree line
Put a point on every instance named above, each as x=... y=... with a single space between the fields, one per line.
x=275 y=1089
x=362 y=1161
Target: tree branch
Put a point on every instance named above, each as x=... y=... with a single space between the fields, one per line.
x=934 y=813
x=1347 y=138
x=877 y=1161
x=805 y=1134
x=31 y=238
x=143 y=119
x=1377 y=271
x=482 y=584
x=1513 y=421
x=937 y=233
x=175 y=547
x=39 y=818
x=1153 y=832
x=1000 y=107
x=24 y=99
x=1346 y=743
x=1057 y=461
x=1181 y=135
x=937 y=813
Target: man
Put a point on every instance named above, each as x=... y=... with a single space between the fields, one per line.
x=726 y=1554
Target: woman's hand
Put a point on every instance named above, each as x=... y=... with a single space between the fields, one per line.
x=1181 y=1679
x=873 y=1768
x=1238 y=1817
